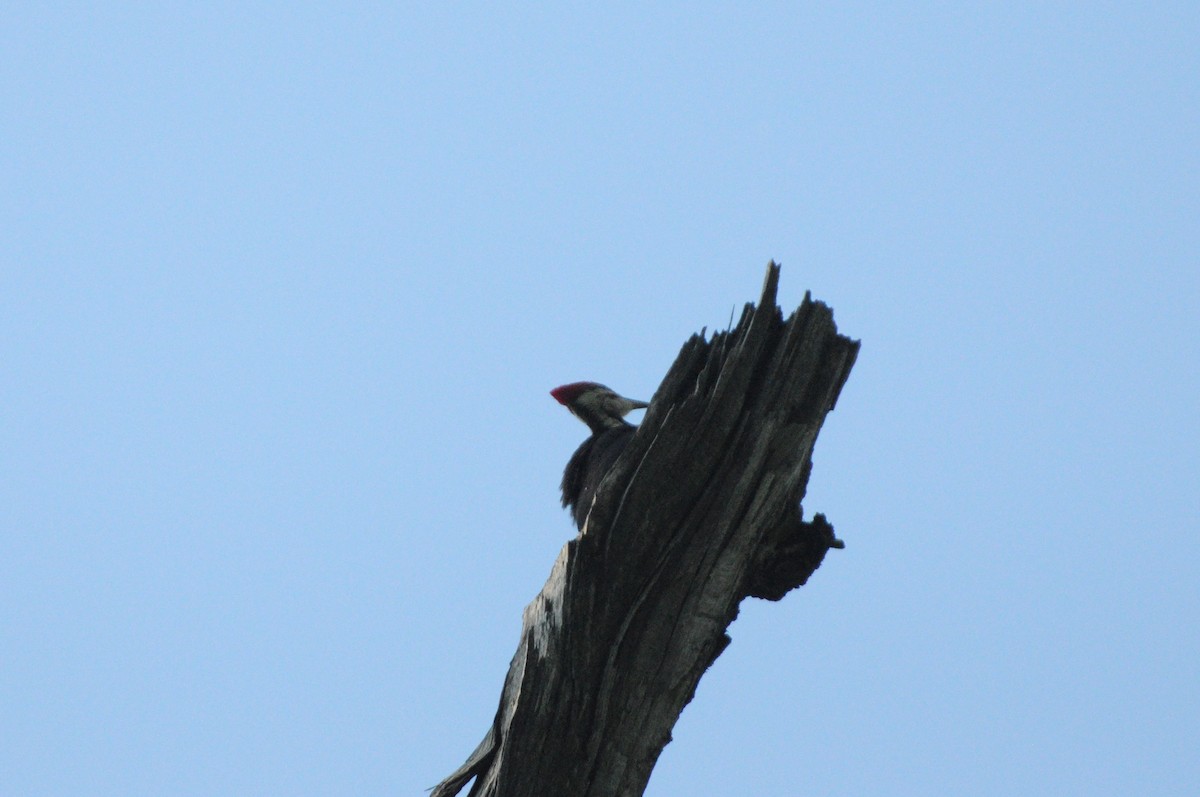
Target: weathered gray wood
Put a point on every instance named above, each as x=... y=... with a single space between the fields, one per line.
x=700 y=511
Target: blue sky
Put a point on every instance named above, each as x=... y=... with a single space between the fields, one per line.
x=283 y=289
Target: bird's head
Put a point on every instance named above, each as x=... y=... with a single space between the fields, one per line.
x=596 y=405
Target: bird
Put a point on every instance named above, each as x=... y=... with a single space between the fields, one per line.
x=604 y=412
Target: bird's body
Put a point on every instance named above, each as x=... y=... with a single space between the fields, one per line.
x=604 y=412
x=587 y=467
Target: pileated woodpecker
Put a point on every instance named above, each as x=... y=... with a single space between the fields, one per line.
x=604 y=412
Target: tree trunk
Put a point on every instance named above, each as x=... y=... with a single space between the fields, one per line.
x=701 y=510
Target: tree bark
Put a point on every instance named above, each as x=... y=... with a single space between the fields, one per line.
x=701 y=510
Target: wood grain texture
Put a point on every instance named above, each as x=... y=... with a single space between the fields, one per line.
x=700 y=511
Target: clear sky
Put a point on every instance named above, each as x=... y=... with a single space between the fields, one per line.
x=283 y=288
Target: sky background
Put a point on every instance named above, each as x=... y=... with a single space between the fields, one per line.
x=283 y=288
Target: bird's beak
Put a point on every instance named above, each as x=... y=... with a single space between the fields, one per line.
x=634 y=404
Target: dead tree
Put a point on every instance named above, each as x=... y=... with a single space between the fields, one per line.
x=701 y=510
